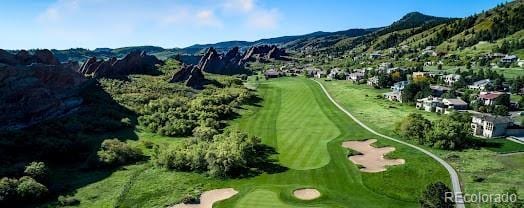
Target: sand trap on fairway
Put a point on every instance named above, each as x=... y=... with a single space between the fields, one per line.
x=372 y=158
x=209 y=197
x=306 y=193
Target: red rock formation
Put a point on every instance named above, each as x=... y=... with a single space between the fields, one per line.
x=190 y=75
x=136 y=62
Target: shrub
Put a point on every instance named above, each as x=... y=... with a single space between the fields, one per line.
x=115 y=152
x=227 y=154
x=29 y=189
x=37 y=170
x=204 y=132
x=434 y=196
x=8 y=190
x=68 y=201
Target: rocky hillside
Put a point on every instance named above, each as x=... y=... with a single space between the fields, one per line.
x=36 y=87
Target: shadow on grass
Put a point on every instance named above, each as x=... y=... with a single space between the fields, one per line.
x=263 y=162
x=67 y=143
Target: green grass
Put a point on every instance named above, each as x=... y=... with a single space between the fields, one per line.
x=307 y=130
x=382 y=115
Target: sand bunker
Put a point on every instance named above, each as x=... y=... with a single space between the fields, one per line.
x=209 y=197
x=306 y=194
x=372 y=158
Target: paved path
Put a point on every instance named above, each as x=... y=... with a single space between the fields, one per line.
x=453 y=174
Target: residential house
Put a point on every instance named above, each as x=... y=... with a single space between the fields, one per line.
x=509 y=59
x=355 y=76
x=429 y=104
x=271 y=74
x=399 y=86
x=490 y=98
x=333 y=73
x=480 y=85
x=450 y=79
x=451 y=104
x=393 y=96
x=437 y=90
x=375 y=55
x=419 y=75
x=320 y=74
x=385 y=65
x=487 y=125
x=373 y=81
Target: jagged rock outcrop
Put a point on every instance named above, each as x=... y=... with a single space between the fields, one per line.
x=233 y=62
x=23 y=57
x=191 y=76
x=264 y=51
x=136 y=62
x=227 y=64
x=32 y=93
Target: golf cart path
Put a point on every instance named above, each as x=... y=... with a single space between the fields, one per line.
x=453 y=174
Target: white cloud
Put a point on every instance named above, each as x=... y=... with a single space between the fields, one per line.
x=58 y=11
x=263 y=19
x=239 y=5
x=208 y=18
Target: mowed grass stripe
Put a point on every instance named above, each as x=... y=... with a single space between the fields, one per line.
x=302 y=129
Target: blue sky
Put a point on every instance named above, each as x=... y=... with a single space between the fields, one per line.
x=91 y=24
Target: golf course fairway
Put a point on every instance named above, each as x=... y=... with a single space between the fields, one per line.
x=307 y=130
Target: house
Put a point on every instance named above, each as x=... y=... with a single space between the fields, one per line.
x=384 y=65
x=437 y=90
x=356 y=76
x=373 y=81
x=319 y=74
x=271 y=74
x=399 y=86
x=451 y=104
x=487 y=125
x=393 y=96
x=490 y=98
x=333 y=73
x=429 y=104
x=375 y=55
x=450 y=79
x=509 y=59
x=520 y=63
x=419 y=75
x=311 y=72
x=480 y=85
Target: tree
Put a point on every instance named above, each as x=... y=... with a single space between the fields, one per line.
x=448 y=133
x=37 y=170
x=500 y=110
x=8 y=190
x=29 y=189
x=414 y=127
x=115 y=152
x=435 y=196
x=231 y=152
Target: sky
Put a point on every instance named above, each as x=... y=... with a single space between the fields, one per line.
x=63 y=24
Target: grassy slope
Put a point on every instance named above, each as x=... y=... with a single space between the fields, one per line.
x=300 y=122
x=382 y=115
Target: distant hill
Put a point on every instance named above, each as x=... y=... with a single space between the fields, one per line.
x=414 y=30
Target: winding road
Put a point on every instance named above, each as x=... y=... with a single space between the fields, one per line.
x=453 y=174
